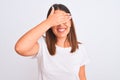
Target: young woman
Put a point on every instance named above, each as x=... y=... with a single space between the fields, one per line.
x=60 y=56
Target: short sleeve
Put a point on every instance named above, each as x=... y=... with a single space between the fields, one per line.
x=81 y=58
x=85 y=59
x=41 y=42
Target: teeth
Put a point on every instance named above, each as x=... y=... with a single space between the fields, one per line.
x=61 y=29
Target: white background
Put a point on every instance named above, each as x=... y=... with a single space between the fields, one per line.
x=97 y=25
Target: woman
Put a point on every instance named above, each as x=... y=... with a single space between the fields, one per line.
x=60 y=56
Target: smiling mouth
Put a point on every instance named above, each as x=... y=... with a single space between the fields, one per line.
x=61 y=29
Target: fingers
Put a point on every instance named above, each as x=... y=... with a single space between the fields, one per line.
x=65 y=19
x=52 y=11
x=57 y=17
x=63 y=14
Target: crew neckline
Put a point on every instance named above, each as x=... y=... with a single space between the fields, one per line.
x=62 y=47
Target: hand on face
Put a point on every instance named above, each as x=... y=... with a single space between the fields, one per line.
x=58 y=17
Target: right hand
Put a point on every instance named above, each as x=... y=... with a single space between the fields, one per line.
x=58 y=17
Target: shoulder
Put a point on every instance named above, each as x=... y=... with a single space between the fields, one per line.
x=82 y=49
x=42 y=46
x=81 y=45
x=41 y=40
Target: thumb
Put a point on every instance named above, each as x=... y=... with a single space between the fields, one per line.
x=52 y=11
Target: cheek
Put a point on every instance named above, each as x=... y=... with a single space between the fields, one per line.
x=53 y=29
x=69 y=29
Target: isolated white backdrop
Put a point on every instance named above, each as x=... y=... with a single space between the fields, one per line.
x=97 y=25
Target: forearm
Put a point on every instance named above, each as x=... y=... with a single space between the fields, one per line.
x=28 y=40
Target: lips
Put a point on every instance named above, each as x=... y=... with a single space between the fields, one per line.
x=61 y=29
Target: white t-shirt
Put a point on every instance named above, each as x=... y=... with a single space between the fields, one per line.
x=63 y=65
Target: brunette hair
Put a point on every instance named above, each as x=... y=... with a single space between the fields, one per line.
x=51 y=38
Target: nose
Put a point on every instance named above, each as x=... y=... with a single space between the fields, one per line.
x=61 y=25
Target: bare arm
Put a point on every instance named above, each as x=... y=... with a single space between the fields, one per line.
x=82 y=75
x=28 y=45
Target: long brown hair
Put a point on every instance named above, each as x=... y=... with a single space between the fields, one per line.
x=51 y=38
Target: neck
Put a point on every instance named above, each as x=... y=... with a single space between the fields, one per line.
x=62 y=42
